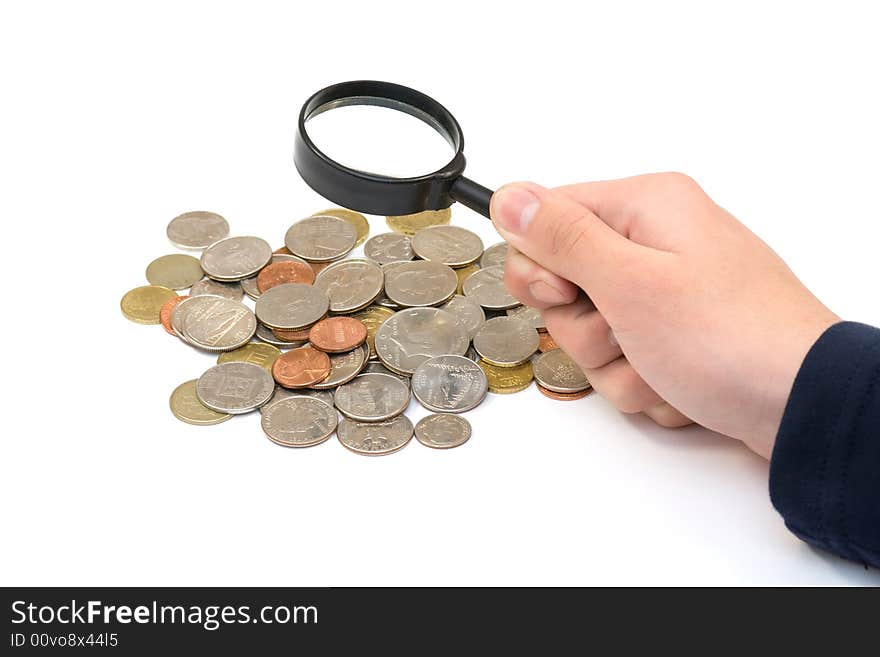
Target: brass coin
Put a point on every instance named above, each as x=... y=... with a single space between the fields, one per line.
x=408 y=224
x=372 y=317
x=506 y=380
x=143 y=304
x=463 y=273
x=175 y=271
x=187 y=408
x=356 y=219
x=258 y=353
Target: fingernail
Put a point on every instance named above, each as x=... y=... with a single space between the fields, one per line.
x=543 y=291
x=515 y=208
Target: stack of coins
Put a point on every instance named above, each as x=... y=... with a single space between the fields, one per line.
x=423 y=313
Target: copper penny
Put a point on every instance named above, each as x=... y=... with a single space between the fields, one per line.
x=564 y=396
x=165 y=312
x=301 y=367
x=299 y=335
x=282 y=251
x=337 y=334
x=546 y=342
x=282 y=272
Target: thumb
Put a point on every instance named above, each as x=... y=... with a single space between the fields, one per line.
x=564 y=236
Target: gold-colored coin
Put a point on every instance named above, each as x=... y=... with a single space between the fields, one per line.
x=258 y=353
x=356 y=219
x=372 y=317
x=142 y=304
x=187 y=408
x=408 y=224
x=176 y=271
x=463 y=273
x=506 y=380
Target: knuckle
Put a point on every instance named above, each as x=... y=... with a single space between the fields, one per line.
x=678 y=181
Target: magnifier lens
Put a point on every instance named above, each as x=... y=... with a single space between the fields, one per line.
x=382 y=148
x=380 y=139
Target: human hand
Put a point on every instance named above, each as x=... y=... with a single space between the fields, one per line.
x=690 y=316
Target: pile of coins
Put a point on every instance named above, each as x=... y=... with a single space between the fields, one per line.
x=424 y=313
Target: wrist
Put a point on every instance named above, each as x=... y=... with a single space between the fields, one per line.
x=783 y=364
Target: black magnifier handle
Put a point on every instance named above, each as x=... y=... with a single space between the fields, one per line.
x=471 y=194
x=377 y=194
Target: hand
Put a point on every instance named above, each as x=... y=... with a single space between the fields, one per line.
x=687 y=316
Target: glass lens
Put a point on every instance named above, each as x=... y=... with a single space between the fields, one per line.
x=380 y=140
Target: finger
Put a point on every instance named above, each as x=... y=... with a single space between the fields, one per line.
x=582 y=333
x=535 y=286
x=631 y=205
x=619 y=383
x=667 y=416
x=566 y=238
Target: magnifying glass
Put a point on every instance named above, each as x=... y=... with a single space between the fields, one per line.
x=385 y=149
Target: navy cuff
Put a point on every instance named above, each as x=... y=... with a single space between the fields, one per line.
x=825 y=469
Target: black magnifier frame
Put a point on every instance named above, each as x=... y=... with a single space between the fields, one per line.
x=374 y=193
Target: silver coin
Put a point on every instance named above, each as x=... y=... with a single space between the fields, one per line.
x=376 y=367
x=281 y=392
x=382 y=299
x=321 y=238
x=413 y=335
x=344 y=367
x=385 y=302
x=350 y=284
x=389 y=247
x=235 y=258
x=375 y=438
x=196 y=230
x=532 y=316
x=265 y=334
x=468 y=313
x=223 y=325
x=287 y=257
x=486 y=287
x=494 y=256
x=449 y=245
x=420 y=283
x=196 y=306
x=443 y=431
x=249 y=287
x=292 y=306
x=235 y=387
x=506 y=341
x=210 y=286
x=556 y=371
x=299 y=421
x=372 y=397
x=449 y=384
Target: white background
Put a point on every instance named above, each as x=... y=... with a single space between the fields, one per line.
x=115 y=119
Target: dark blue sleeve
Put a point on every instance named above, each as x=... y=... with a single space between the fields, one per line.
x=825 y=470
